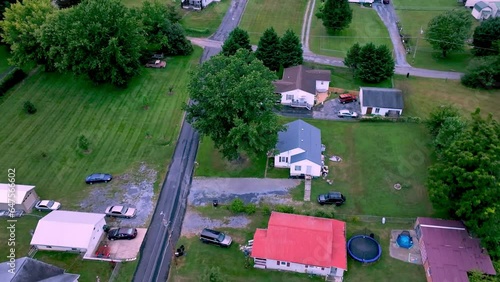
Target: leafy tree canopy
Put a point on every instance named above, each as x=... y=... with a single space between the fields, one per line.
x=448 y=31
x=238 y=39
x=234 y=102
x=483 y=72
x=335 y=14
x=268 y=50
x=370 y=63
x=291 y=49
x=486 y=38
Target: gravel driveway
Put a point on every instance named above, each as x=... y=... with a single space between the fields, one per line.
x=331 y=107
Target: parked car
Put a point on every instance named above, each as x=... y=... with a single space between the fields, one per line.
x=47 y=205
x=6 y=213
x=156 y=64
x=98 y=177
x=347 y=98
x=331 y=198
x=122 y=233
x=120 y=211
x=210 y=236
x=347 y=113
x=386 y=1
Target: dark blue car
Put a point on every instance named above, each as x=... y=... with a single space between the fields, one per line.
x=98 y=177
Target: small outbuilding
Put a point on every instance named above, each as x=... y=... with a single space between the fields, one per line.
x=24 y=197
x=69 y=231
x=381 y=101
x=481 y=11
x=26 y=269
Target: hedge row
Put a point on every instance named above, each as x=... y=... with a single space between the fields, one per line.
x=399 y=119
x=14 y=76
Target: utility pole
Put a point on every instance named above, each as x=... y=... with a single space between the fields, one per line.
x=416 y=45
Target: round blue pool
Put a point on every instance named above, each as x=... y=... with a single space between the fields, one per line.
x=364 y=249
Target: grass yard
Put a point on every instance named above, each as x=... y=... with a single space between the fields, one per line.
x=366 y=27
x=414 y=16
x=4 y=55
x=205 y=22
x=259 y=15
x=421 y=95
x=122 y=133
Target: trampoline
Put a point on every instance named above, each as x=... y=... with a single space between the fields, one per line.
x=364 y=249
x=404 y=240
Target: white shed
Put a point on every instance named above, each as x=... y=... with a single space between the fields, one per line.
x=381 y=101
x=69 y=231
x=24 y=197
x=481 y=11
x=470 y=3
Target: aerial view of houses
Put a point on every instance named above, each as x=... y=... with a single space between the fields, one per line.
x=249 y=140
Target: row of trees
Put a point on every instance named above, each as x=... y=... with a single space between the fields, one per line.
x=101 y=39
x=465 y=179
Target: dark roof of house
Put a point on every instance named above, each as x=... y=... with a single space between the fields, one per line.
x=451 y=252
x=382 y=98
x=32 y=270
x=301 y=77
x=300 y=134
x=481 y=5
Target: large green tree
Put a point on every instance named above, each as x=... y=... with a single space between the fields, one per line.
x=486 y=38
x=370 y=63
x=268 y=50
x=234 y=102
x=103 y=41
x=352 y=58
x=483 y=72
x=335 y=14
x=448 y=31
x=20 y=27
x=290 y=49
x=238 y=39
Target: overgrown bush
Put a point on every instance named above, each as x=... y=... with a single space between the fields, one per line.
x=250 y=209
x=284 y=209
x=266 y=210
x=83 y=143
x=29 y=108
x=483 y=73
x=237 y=206
x=14 y=76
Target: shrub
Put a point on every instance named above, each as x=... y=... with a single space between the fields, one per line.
x=321 y=213
x=14 y=76
x=266 y=210
x=284 y=209
x=250 y=209
x=29 y=108
x=83 y=143
x=237 y=206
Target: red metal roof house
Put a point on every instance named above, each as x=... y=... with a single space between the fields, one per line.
x=448 y=252
x=301 y=243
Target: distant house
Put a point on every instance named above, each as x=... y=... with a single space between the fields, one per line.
x=24 y=197
x=299 y=148
x=69 y=231
x=300 y=85
x=362 y=1
x=448 y=252
x=470 y=3
x=28 y=270
x=481 y=11
x=196 y=4
x=302 y=244
x=381 y=101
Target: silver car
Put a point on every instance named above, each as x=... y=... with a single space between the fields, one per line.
x=120 y=211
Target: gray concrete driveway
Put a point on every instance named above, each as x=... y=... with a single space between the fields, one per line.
x=331 y=107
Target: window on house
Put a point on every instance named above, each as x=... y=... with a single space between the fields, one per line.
x=377 y=110
x=282 y=263
x=278 y=262
x=286 y=159
x=49 y=247
x=322 y=268
x=288 y=264
x=307 y=266
x=298 y=168
x=289 y=97
x=74 y=249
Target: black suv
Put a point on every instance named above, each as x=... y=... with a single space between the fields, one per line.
x=122 y=233
x=210 y=236
x=331 y=198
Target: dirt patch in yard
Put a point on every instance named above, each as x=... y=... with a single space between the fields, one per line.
x=194 y=222
x=134 y=189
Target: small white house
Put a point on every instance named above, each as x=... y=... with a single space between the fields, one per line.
x=303 y=244
x=28 y=269
x=24 y=197
x=481 y=11
x=69 y=231
x=470 y=3
x=361 y=1
x=381 y=101
x=196 y=4
x=299 y=149
x=300 y=85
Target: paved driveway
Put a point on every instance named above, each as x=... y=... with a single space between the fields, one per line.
x=331 y=107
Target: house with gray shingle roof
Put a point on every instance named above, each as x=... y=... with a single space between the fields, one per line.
x=481 y=11
x=381 y=101
x=26 y=269
x=300 y=85
x=299 y=149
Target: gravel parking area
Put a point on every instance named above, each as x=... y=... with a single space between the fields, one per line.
x=193 y=223
x=331 y=107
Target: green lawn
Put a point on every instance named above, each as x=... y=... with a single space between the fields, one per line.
x=205 y=22
x=4 y=55
x=365 y=27
x=261 y=14
x=414 y=16
x=122 y=132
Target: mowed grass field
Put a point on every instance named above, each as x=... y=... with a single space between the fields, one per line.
x=205 y=22
x=123 y=133
x=366 y=27
x=414 y=17
x=260 y=15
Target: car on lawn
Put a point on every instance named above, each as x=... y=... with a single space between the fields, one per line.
x=122 y=233
x=120 y=211
x=98 y=177
x=156 y=64
x=347 y=113
x=347 y=98
x=47 y=205
x=331 y=198
x=209 y=236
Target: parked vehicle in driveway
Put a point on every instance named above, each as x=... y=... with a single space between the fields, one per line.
x=47 y=205
x=331 y=198
x=120 y=211
x=210 y=236
x=122 y=233
x=347 y=113
x=347 y=98
x=156 y=64
x=98 y=177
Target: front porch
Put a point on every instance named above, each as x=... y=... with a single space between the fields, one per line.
x=299 y=104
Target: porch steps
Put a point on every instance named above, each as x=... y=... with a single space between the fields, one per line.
x=307 y=189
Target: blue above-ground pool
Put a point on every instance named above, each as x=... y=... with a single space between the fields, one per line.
x=364 y=249
x=404 y=240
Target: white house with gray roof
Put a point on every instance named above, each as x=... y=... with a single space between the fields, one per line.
x=299 y=149
x=381 y=101
x=26 y=269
